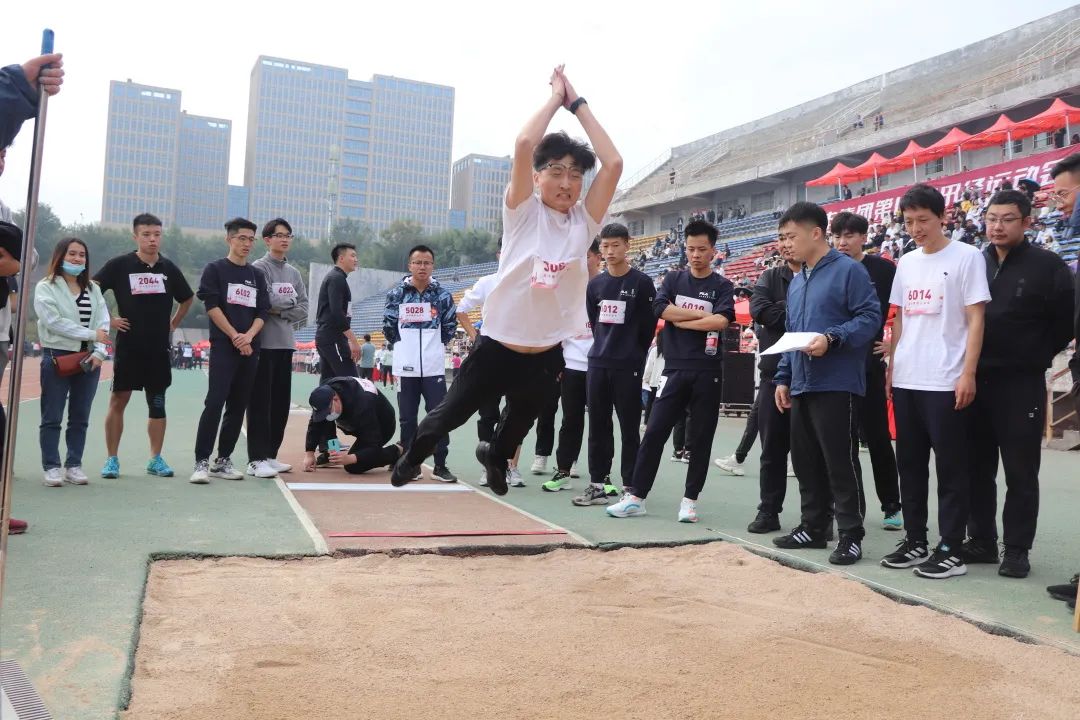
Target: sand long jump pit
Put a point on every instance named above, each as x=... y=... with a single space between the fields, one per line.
x=706 y=631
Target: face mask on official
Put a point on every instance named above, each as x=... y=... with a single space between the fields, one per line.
x=333 y=416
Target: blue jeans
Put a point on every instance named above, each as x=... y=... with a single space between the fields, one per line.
x=55 y=394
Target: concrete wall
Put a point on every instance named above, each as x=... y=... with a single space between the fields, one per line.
x=363 y=283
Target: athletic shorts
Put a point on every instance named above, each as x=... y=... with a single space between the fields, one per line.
x=141 y=371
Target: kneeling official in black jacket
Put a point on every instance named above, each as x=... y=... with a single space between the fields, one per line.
x=357 y=407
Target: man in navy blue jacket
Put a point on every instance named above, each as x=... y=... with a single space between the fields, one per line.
x=833 y=297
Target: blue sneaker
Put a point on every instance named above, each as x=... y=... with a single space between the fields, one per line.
x=112 y=467
x=893 y=521
x=629 y=506
x=158 y=466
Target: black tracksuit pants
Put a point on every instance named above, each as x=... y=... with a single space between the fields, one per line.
x=572 y=430
x=698 y=391
x=372 y=448
x=491 y=371
x=232 y=377
x=432 y=390
x=775 y=430
x=619 y=390
x=750 y=432
x=926 y=420
x=1008 y=417
x=268 y=409
x=825 y=453
x=545 y=424
x=874 y=429
x=335 y=359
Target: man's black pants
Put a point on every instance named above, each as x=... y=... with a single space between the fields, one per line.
x=619 y=390
x=775 y=430
x=232 y=376
x=825 y=453
x=1009 y=414
x=371 y=447
x=750 y=431
x=335 y=358
x=927 y=420
x=572 y=431
x=432 y=390
x=268 y=409
x=698 y=391
x=545 y=425
x=874 y=426
x=491 y=371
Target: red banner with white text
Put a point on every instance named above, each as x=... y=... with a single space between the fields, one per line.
x=878 y=207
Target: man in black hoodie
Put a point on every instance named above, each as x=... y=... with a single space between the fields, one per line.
x=357 y=407
x=334 y=339
x=1029 y=320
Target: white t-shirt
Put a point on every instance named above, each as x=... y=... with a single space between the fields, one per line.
x=476 y=296
x=576 y=349
x=933 y=291
x=539 y=295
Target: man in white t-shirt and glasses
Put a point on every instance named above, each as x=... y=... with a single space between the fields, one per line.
x=539 y=296
x=941 y=292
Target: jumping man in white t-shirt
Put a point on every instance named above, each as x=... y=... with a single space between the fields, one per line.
x=539 y=297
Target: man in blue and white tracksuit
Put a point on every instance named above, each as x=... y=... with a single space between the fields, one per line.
x=420 y=317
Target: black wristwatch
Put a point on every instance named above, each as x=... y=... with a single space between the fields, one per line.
x=576 y=104
x=834 y=341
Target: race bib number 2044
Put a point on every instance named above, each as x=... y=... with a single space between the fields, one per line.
x=147 y=283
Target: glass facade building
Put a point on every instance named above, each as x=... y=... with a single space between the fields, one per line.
x=202 y=178
x=238 y=202
x=477 y=188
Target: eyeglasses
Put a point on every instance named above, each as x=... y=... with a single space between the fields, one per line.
x=421 y=263
x=282 y=236
x=558 y=170
x=1007 y=220
x=1062 y=194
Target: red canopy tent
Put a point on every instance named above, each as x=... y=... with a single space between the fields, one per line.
x=946 y=145
x=869 y=169
x=999 y=132
x=1059 y=115
x=839 y=174
x=913 y=151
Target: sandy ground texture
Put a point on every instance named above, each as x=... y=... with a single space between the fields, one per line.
x=691 y=632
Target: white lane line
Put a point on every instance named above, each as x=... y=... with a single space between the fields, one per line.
x=365 y=487
x=305 y=520
x=485 y=493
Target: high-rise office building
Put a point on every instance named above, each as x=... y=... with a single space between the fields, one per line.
x=141 y=155
x=202 y=179
x=238 y=202
x=159 y=159
x=477 y=189
x=322 y=147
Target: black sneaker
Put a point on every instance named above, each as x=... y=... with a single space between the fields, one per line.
x=404 y=473
x=978 y=551
x=495 y=468
x=944 y=563
x=908 y=553
x=800 y=537
x=676 y=456
x=1064 y=592
x=443 y=474
x=322 y=460
x=848 y=551
x=764 y=522
x=1014 y=563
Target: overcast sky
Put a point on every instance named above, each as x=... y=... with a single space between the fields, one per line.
x=658 y=76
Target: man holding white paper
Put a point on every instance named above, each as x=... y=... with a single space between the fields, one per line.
x=833 y=297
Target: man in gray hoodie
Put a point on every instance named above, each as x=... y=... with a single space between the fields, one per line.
x=268 y=411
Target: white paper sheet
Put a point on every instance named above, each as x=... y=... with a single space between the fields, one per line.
x=791 y=341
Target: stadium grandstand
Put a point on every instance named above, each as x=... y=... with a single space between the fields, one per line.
x=1004 y=108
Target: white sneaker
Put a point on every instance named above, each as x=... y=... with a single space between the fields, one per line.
x=629 y=506
x=514 y=479
x=483 y=478
x=75 y=476
x=54 y=477
x=279 y=466
x=688 y=511
x=223 y=468
x=201 y=476
x=729 y=464
x=261 y=469
x=573 y=470
x=539 y=466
